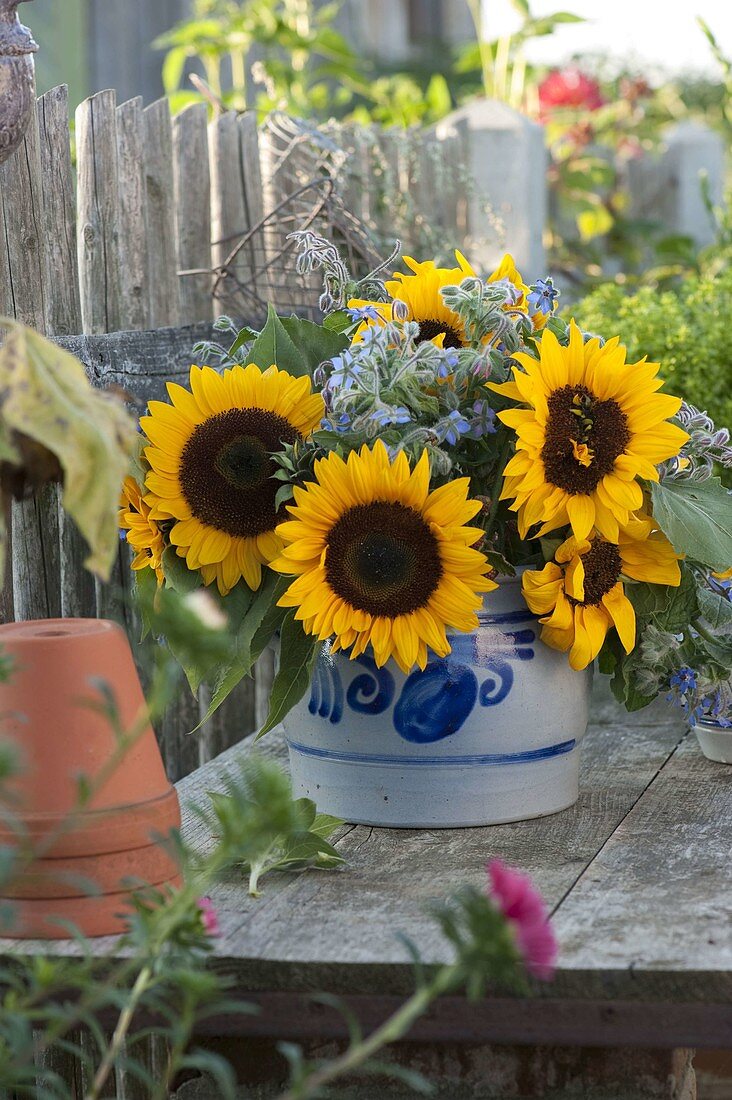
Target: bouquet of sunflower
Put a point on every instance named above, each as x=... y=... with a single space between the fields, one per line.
x=366 y=481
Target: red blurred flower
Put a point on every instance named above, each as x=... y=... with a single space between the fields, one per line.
x=568 y=87
x=522 y=905
x=209 y=917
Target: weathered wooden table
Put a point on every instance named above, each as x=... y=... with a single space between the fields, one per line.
x=639 y=879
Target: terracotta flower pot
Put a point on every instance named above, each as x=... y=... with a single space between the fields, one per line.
x=86 y=859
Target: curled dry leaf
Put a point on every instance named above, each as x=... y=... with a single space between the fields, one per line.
x=55 y=427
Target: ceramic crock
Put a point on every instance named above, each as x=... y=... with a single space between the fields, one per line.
x=489 y=734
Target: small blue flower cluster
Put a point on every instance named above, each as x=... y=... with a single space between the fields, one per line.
x=684 y=693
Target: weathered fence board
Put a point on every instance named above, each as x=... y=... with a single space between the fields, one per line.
x=59 y=213
x=20 y=184
x=229 y=218
x=161 y=219
x=192 y=180
x=98 y=213
x=253 y=201
x=133 y=233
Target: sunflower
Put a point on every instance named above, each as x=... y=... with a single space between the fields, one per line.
x=420 y=292
x=581 y=596
x=380 y=559
x=507 y=270
x=595 y=424
x=211 y=466
x=143 y=534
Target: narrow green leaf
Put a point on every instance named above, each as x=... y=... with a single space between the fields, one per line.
x=298 y=653
x=249 y=619
x=696 y=517
x=146 y=586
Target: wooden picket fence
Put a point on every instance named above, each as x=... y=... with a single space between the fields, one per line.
x=90 y=251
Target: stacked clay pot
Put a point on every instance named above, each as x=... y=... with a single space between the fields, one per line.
x=85 y=860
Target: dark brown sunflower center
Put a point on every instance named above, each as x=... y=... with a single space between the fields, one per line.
x=428 y=330
x=383 y=558
x=602 y=567
x=584 y=436
x=226 y=470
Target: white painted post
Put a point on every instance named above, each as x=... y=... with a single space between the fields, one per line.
x=668 y=187
x=506 y=163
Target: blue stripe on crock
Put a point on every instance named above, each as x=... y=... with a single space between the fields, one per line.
x=496 y=759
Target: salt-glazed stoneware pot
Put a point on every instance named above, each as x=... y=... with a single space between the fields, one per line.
x=715 y=741
x=17 y=78
x=85 y=859
x=489 y=734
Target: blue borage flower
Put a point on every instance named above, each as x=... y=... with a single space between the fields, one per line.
x=449 y=362
x=386 y=416
x=483 y=420
x=364 y=313
x=345 y=371
x=340 y=424
x=685 y=680
x=452 y=427
x=542 y=296
x=720 y=709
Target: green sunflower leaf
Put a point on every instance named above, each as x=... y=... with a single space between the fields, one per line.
x=340 y=321
x=298 y=653
x=314 y=342
x=177 y=574
x=669 y=608
x=715 y=610
x=273 y=345
x=696 y=517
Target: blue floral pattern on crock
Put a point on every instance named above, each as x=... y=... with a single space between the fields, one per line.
x=433 y=703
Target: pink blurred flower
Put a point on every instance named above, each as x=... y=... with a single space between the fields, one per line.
x=569 y=87
x=209 y=917
x=522 y=904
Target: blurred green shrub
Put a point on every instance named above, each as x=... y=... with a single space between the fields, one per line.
x=685 y=328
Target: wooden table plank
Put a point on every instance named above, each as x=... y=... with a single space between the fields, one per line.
x=656 y=903
x=337 y=930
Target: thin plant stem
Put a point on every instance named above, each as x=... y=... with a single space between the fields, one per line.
x=124 y=1023
x=392 y=1030
x=495 y=491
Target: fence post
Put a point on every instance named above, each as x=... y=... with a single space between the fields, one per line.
x=669 y=188
x=506 y=168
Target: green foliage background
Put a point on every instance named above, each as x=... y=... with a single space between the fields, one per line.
x=686 y=329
